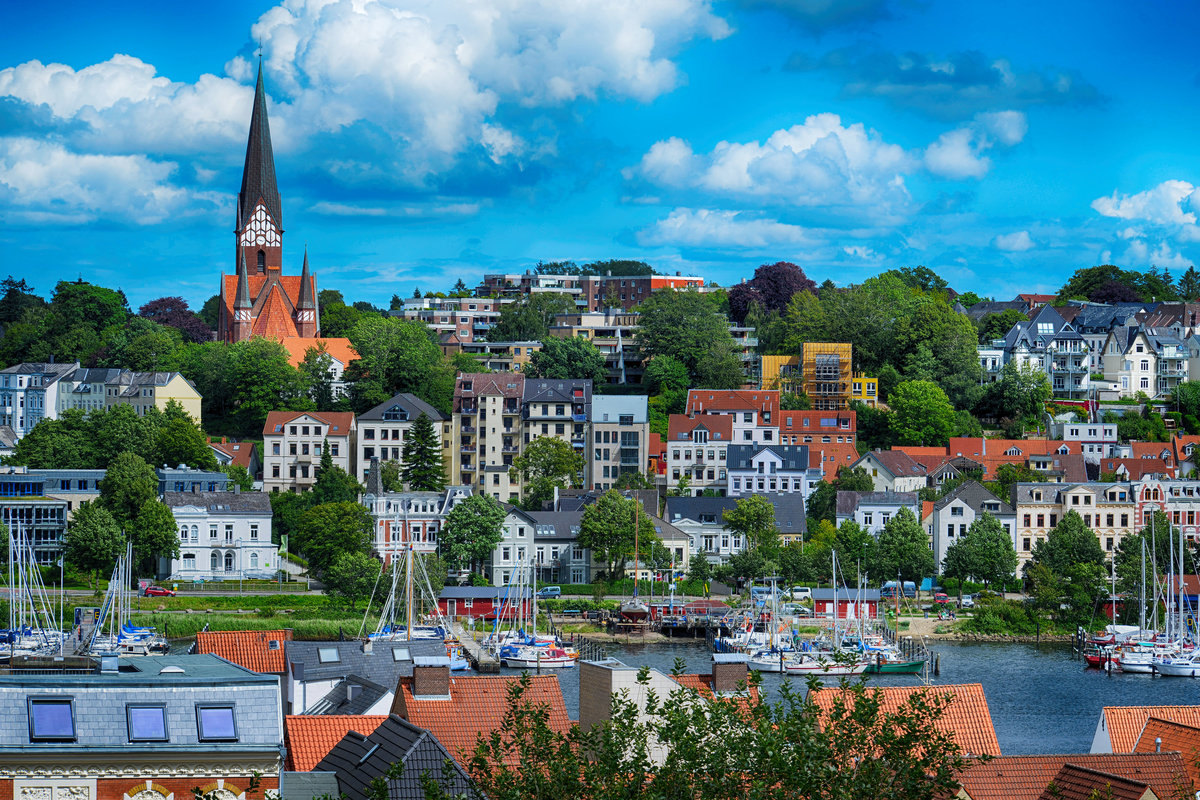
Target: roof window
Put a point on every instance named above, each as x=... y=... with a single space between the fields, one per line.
x=51 y=719
x=146 y=723
x=328 y=655
x=216 y=724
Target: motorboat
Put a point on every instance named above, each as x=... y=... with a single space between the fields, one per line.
x=768 y=660
x=1183 y=666
x=634 y=610
x=891 y=661
x=538 y=658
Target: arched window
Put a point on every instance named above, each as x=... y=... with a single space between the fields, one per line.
x=215 y=561
x=183 y=532
x=229 y=561
x=195 y=533
x=254 y=561
x=262 y=261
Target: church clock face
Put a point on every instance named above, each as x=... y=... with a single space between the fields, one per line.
x=260 y=230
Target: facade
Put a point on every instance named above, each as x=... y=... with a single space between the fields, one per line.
x=873 y=510
x=487 y=432
x=341 y=353
x=953 y=515
x=512 y=552
x=1109 y=509
x=222 y=536
x=30 y=393
x=244 y=454
x=697 y=450
x=1050 y=344
x=817 y=427
x=590 y=292
x=894 y=471
x=409 y=518
x=153 y=728
x=702 y=520
x=754 y=413
x=146 y=390
x=558 y=408
x=454 y=319
x=824 y=372
x=612 y=333
x=496 y=356
x=1096 y=440
x=292 y=442
x=779 y=468
x=1144 y=360
x=383 y=429
x=259 y=300
x=620 y=438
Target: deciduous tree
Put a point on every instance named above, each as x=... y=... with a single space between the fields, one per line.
x=569 y=358
x=685 y=326
x=608 y=530
x=472 y=530
x=333 y=484
x=94 y=540
x=328 y=530
x=754 y=518
x=352 y=577
x=921 y=414
x=904 y=548
x=986 y=553
x=548 y=462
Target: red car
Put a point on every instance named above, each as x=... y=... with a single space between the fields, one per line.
x=158 y=591
x=941 y=599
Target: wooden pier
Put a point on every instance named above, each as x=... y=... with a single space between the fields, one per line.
x=483 y=662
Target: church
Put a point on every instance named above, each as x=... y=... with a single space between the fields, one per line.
x=258 y=299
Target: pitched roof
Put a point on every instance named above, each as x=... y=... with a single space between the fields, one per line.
x=848 y=501
x=240 y=453
x=789 y=509
x=1181 y=446
x=351 y=695
x=298 y=346
x=1160 y=450
x=309 y=739
x=700 y=401
x=898 y=463
x=237 y=502
x=974 y=495
x=412 y=405
x=338 y=422
x=504 y=384
x=477 y=705
x=818 y=421
x=258 y=171
x=794 y=457
x=829 y=458
x=966 y=716
x=250 y=649
x=1138 y=468
x=1125 y=723
x=1164 y=736
x=719 y=427
x=380 y=665
x=1026 y=777
x=1074 y=782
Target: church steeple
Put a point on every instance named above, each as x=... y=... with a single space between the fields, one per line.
x=258 y=173
x=242 y=299
x=306 y=308
x=307 y=301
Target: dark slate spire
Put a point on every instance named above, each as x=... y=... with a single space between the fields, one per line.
x=258 y=174
x=306 y=287
x=242 y=300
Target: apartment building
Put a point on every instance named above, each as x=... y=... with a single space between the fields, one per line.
x=620 y=438
x=30 y=393
x=383 y=430
x=823 y=371
x=753 y=413
x=612 y=333
x=817 y=427
x=459 y=319
x=487 y=432
x=702 y=521
x=404 y=519
x=496 y=356
x=589 y=292
x=1096 y=440
x=953 y=515
x=558 y=408
x=293 y=442
x=1109 y=509
x=1144 y=360
x=222 y=536
x=697 y=449
x=779 y=468
x=1050 y=344
x=84 y=389
x=873 y=510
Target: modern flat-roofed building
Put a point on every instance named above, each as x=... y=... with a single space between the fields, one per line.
x=620 y=438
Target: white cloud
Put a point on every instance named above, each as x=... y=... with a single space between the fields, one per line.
x=1017 y=242
x=703 y=227
x=44 y=181
x=500 y=142
x=862 y=253
x=1162 y=205
x=959 y=154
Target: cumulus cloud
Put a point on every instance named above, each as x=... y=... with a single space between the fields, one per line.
x=1017 y=242
x=959 y=154
x=703 y=227
x=1162 y=205
x=949 y=87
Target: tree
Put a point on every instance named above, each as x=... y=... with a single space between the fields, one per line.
x=460 y=289
x=904 y=548
x=174 y=312
x=854 y=544
x=397 y=355
x=423 y=469
x=333 y=484
x=699 y=568
x=17 y=298
x=1070 y=543
x=997 y=326
x=921 y=414
x=1021 y=392
x=794 y=401
x=986 y=553
x=153 y=534
x=180 y=441
x=686 y=326
x=127 y=486
x=94 y=540
x=331 y=529
x=754 y=518
x=317 y=368
x=548 y=462
x=239 y=476
x=666 y=374
x=529 y=319
x=471 y=532
x=968 y=299
x=352 y=577
x=608 y=528
x=570 y=358
x=771 y=289
x=1189 y=285
x=390 y=476
x=921 y=278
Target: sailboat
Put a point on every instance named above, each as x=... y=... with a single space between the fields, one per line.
x=32 y=627
x=633 y=609
x=388 y=630
x=113 y=632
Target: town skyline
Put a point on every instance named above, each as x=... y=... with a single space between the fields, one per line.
x=700 y=138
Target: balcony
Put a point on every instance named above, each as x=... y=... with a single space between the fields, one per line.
x=579 y=417
x=468 y=429
x=467 y=449
x=508 y=448
x=468 y=467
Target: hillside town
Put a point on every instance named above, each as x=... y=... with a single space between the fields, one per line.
x=571 y=530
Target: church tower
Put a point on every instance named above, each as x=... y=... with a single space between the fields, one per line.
x=259 y=210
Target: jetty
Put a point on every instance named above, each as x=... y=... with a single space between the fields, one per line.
x=483 y=661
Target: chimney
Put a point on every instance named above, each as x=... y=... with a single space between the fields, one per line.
x=368 y=646
x=728 y=670
x=431 y=677
x=1158 y=744
x=352 y=691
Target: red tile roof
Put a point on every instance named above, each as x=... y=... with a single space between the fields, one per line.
x=290 y=286
x=476 y=706
x=966 y=716
x=1074 y=782
x=1162 y=735
x=340 y=349
x=504 y=384
x=719 y=427
x=1161 y=450
x=338 y=422
x=1180 y=445
x=1026 y=777
x=1125 y=723
x=829 y=458
x=240 y=453
x=309 y=737
x=274 y=320
x=701 y=401
x=793 y=422
x=250 y=649
x=1138 y=468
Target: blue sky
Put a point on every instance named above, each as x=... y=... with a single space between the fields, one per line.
x=422 y=141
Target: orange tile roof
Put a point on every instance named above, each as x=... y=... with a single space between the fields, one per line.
x=240 y=453
x=797 y=418
x=719 y=426
x=1161 y=450
x=1138 y=468
x=926 y=508
x=290 y=284
x=829 y=458
x=339 y=422
x=298 y=346
x=274 y=320
x=1180 y=443
x=477 y=706
x=309 y=737
x=1174 y=737
x=700 y=401
x=1074 y=782
x=966 y=716
x=250 y=649
x=1125 y=723
x=1026 y=777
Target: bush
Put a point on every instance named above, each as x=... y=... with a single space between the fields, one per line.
x=1004 y=617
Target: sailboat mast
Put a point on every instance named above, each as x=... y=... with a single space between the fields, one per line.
x=1183 y=631
x=408 y=592
x=636 y=520
x=1142 y=621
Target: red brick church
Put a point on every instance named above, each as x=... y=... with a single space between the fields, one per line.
x=259 y=300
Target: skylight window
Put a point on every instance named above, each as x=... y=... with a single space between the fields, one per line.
x=328 y=655
x=146 y=723
x=51 y=719
x=216 y=724
x=273 y=644
x=401 y=654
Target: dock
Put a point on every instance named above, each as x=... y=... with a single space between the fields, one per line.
x=483 y=661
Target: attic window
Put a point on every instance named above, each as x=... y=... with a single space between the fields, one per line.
x=273 y=644
x=328 y=655
x=278 y=428
x=216 y=724
x=401 y=654
x=146 y=723
x=52 y=719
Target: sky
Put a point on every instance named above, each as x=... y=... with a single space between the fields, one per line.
x=418 y=142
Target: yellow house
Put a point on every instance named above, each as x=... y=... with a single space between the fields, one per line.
x=145 y=389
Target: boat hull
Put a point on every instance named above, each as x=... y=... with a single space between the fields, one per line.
x=545 y=663
x=830 y=669
x=896 y=668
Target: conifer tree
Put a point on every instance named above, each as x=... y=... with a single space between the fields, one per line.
x=423 y=470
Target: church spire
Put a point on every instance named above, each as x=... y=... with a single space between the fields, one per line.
x=307 y=301
x=258 y=174
x=242 y=299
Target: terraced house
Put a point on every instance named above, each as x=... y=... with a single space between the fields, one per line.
x=1050 y=344
x=1109 y=509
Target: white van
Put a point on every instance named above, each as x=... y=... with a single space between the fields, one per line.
x=798 y=593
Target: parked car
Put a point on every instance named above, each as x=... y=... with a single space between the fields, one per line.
x=798 y=593
x=158 y=591
x=549 y=592
x=910 y=589
x=967 y=602
x=941 y=598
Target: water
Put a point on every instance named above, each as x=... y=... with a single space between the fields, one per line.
x=1041 y=699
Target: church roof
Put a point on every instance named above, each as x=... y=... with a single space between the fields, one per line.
x=298 y=346
x=289 y=284
x=274 y=320
x=258 y=174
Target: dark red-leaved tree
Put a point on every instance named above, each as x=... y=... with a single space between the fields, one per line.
x=174 y=311
x=1114 y=292
x=772 y=288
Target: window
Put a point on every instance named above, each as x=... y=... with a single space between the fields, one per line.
x=51 y=719
x=216 y=723
x=146 y=723
x=333 y=450
x=328 y=655
x=212 y=531
x=275 y=448
x=254 y=532
x=401 y=654
x=368 y=433
x=189 y=560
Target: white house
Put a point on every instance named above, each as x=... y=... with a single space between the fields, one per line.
x=953 y=515
x=292 y=444
x=702 y=520
x=873 y=510
x=1097 y=440
x=382 y=430
x=514 y=550
x=894 y=471
x=222 y=536
x=770 y=468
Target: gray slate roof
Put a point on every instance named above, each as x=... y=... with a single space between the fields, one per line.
x=407 y=402
x=847 y=502
x=556 y=525
x=794 y=456
x=378 y=665
x=974 y=494
x=789 y=510
x=221 y=502
x=352 y=695
x=307 y=785
x=358 y=760
x=985 y=307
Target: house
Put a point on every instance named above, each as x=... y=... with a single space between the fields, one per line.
x=1095 y=321
x=359 y=760
x=354 y=695
x=1096 y=440
x=340 y=351
x=966 y=716
x=872 y=510
x=1035 y=301
x=846 y=603
x=383 y=429
x=1164 y=736
x=29 y=393
x=829 y=458
x=315 y=668
x=1068 y=468
x=556 y=552
x=620 y=438
x=1184 y=449
x=985 y=307
x=817 y=427
x=1028 y=777
x=697 y=450
x=612 y=332
x=512 y=552
x=146 y=390
x=782 y=468
x=487 y=432
x=151 y=727
x=1137 y=469
x=1050 y=344
x=702 y=519
x=257 y=651
x=1107 y=508
x=407 y=518
x=560 y=409
x=457 y=710
x=488 y=603
x=894 y=471
x=244 y=454
x=292 y=442
x=953 y=515
x=1120 y=727
x=754 y=413
x=222 y=536
x=1145 y=360
x=309 y=738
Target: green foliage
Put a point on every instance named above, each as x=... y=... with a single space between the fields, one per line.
x=239 y=476
x=397 y=355
x=423 y=470
x=822 y=504
x=471 y=532
x=153 y=534
x=287 y=514
x=754 y=518
x=179 y=440
x=529 y=319
x=127 y=486
x=546 y=463
x=1069 y=543
x=390 y=476
x=317 y=368
x=608 y=530
x=326 y=531
x=569 y=358
x=1091 y=281
x=968 y=299
x=352 y=577
x=874 y=426
x=94 y=540
x=903 y=549
x=997 y=326
x=333 y=484
x=666 y=374
x=1008 y=475
x=921 y=414
x=686 y=326
x=797 y=401
x=1021 y=392
x=986 y=553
